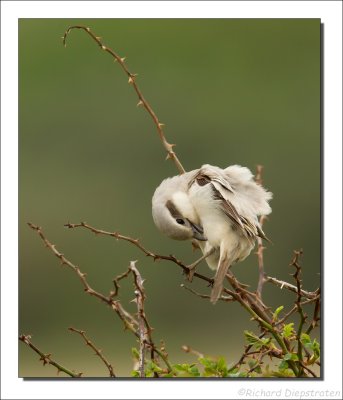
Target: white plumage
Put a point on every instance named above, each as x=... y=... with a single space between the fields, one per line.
x=219 y=208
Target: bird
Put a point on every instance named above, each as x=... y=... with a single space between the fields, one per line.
x=216 y=208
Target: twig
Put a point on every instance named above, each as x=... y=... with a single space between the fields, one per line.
x=116 y=282
x=261 y=355
x=129 y=322
x=260 y=247
x=246 y=353
x=255 y=312
x=315 y=317
x=303 y=316
x=206 y=296
x=188 y=349
x=132 y=81
x=144 y=327
x=46 y=358
x=287 y=315
x=98 y=352
x=282 y=284
x=308 y=369
x=137 y=243
x=147 y=337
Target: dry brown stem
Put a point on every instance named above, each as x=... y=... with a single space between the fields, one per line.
x=260 y=247
x=138 y=244
x=189 y=349
x=285 y=285
x=46 y=358
x=98 y=352
x=144 y=327
x=129 y=322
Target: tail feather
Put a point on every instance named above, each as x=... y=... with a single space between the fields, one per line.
x=216 y=292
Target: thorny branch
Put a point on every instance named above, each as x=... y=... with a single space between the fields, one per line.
x=156 y=257
x=303 y=316
x=249 y=300
x=128 y=320
x=98 y=352
x=260 y=247
x=132 y=81
x=144 y=327
x=46 y=358
x=285 y=285
x=138 y=244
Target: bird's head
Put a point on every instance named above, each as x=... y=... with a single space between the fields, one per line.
x=173 y=213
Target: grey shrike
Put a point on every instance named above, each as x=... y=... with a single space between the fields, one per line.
x=219 y=209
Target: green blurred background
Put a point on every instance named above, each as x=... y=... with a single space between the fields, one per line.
x=231 y=91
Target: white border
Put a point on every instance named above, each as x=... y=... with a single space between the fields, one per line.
x=330 y=12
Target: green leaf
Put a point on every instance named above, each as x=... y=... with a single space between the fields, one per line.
x=238 y=375
x=169 y=375
x=311 y=345
x=291 y=357
x=251 y=338
x=232 y=369
x=135 y=353
x=288 y=330
x=283 y=365
x=152 y=367
x=222 y=367
x=305 y=339
x=181 y=367
x=316 y=348
x=194 y=371
x=209 y=364
x=135 y=374
x=277 y=312
x=254 y=340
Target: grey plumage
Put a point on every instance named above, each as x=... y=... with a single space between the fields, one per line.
x=217 y=207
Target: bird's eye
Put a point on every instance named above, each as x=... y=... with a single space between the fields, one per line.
x=180 y=221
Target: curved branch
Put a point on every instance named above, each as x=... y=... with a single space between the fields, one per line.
x=132 y=81
x=98 y=352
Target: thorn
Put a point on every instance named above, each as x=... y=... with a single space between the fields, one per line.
x=140 y=103
x=98 y=37
x=88 y=29
x=123 y=59
x=161 y=125
x=131 y=80
x=104 y=47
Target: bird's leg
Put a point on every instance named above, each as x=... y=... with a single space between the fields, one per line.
x=191 y=267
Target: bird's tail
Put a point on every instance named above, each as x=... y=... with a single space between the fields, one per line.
x=223 y=266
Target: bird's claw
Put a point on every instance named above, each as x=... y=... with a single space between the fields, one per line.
x=191 y=271
x=210 y=284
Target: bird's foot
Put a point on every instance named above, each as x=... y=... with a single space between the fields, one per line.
x=210 y=284
x=191 y=270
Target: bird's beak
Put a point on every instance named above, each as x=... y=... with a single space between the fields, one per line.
x=198 y=232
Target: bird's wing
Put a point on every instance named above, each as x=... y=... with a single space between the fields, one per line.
x=247 y=227
x=223 y=191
